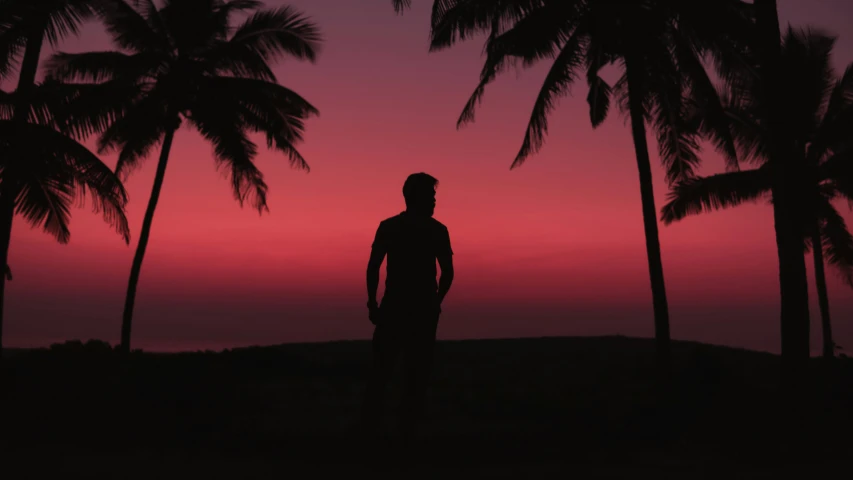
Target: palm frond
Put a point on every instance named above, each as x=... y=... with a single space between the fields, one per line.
x=234 y=152
x=749 y=134
x=808 y=72
x=494 y=64
x=598 y=99
x=211 y=22
x=487 y=76
x=619 y=92
x=91 y=108
x=43 y=102
x=560 y=77
x=839 y=166
x=261 y=38
x=725 y=26
x=458 y=20
x=837 y=241
x=665 y=97
x=841 y=98
x=64 y=17
x=223 y=12
x=12 y=43
x=704 y=194
x=263 y=107
x=57 y=171
x=46 y=203
x=282 y=31
x=599 y=94
x=54 y=19
x=838 y=171
x=7 y=105
x=530 y=40
x=705 y=104
x=538 y=35
x=99 y=67
x=260 y=92
x=837 y=123
x=130 y=30
x=242 y=5
x=235 y=59
x=135 y=132
x=136 y=148
x=283 y=140
x=149 y=11
x=677 y=146
x=401 y=5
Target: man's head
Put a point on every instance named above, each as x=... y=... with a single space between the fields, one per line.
x=419 y=192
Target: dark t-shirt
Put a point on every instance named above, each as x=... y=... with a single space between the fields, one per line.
x=412 y=244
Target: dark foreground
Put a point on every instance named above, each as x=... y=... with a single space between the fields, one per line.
x=531 y=408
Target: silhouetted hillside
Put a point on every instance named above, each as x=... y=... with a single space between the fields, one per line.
x=539 y=405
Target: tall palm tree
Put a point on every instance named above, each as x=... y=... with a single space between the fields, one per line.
x=787 y=210
x=660 y=46
x=206 y=72
x=43 y=171
x=819 y=107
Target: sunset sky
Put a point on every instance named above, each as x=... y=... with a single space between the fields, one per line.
x=552 y=248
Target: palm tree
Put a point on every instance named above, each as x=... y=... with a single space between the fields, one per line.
x=660 y=46
x=787 y=210
x=205 y=72
x=819 y=107
x=44 y=171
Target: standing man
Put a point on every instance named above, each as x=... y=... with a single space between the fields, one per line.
x=407 y=319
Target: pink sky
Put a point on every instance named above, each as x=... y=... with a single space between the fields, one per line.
x=552 y=248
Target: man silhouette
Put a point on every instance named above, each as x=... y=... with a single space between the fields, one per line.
x=406 y=321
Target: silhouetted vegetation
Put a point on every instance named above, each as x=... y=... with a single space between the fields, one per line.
x=77 y=347
x=659 y=45
x=662 y=45
x=787 y=207
x=44 y=171
x=558 y=405
x=207 y=72
x=819 y=113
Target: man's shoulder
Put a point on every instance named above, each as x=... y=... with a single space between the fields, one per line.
x=400 y=221
x=391 y=220
x=437 y=225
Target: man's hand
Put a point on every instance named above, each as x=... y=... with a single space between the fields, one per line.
x=373 y=313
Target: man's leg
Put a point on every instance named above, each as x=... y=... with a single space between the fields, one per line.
x=386 y=347
x=419 y=369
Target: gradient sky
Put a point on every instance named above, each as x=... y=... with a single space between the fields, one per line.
x=552 y=248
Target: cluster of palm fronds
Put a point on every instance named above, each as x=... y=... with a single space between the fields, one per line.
x=780 y=107
x=182 y=61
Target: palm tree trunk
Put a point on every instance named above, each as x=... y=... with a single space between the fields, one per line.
x=787 y=212
x=143 y=241
x=650 y=221
x=822 y=295
x=26 y=81
x=7 y=214
x=29 y=70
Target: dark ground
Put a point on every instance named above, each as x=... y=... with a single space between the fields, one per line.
x=530 y=408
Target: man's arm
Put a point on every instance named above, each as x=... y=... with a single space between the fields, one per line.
x=377 y=255
x=445 y=261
